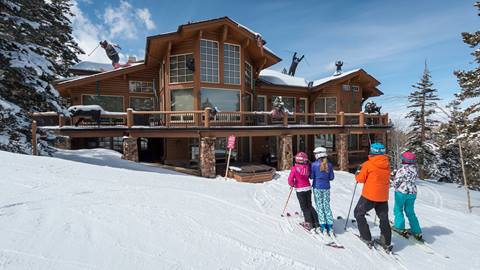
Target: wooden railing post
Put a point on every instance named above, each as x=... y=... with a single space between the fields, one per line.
x=386 y=119
x=129 y=117
x=34 y=138
x=361 y=120
x=61 y=120
x=285 y=119
x=207 y=117
x=341 y=118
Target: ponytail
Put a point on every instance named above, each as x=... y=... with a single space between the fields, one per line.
x=324 y=165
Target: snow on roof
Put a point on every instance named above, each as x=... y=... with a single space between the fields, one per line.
x=278 y=78
x=113 y=70
x=333 y=77
x=92 y=66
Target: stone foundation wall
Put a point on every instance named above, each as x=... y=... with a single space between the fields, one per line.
x=207 y=157
x=130 y=149
x=286 y=153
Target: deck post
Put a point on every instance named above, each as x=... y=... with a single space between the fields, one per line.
x=130 y=149
x=342 y=151
x=286 y=153
x=341 y=118
x=207 y=117
x=61 y=120
x=285 y=119
x=34 y=138
x=207 y=157
x=361 y=120
x=129 y=117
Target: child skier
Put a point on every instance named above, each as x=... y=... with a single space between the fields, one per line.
x=298 y=179
x=405 y=195
x=375 y=176
x=322 y=174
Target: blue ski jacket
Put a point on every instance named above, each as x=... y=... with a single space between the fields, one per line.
x=321 y=179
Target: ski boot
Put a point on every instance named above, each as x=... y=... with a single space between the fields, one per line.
x=306 y=225
x=418 y=237
x=370 y=244
x=403 y=232
x=381 y=241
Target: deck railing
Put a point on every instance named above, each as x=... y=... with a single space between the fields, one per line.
x=206 y=118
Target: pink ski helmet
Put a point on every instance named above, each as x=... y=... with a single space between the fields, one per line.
x=301 y=158
x=408 y=158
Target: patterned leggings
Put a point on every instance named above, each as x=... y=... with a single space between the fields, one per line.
x=322 y=201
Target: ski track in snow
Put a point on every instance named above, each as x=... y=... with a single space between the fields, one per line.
x=65 y=214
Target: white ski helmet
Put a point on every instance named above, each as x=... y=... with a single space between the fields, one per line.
x=320 y=152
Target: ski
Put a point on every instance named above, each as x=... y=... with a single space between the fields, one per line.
x=316 y=236
x=380 y=250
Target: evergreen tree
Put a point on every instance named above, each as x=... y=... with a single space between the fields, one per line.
x=36 y=46
x=423 y=102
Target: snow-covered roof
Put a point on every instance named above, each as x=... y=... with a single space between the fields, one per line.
x=92 y=66
x=99 y=74
x=278 y=78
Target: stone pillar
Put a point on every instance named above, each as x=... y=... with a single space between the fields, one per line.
x=130 y=149
x=63 y=142
x=285 y=154
x=342 y=151
x=207 y=157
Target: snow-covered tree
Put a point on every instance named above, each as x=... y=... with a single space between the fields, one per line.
x=36 y=46
x=422 y=102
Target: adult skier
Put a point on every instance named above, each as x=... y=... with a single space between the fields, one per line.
x=111 y=52
x=405 y=195
x=375 y=175
x=322 y=174
x=299 y=179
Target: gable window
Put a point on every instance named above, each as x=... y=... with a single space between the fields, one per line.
x=326 y=105
x=108 y=103
x=353 y=88
x=231 y=63
x=140 y=86
x=209 y=61
x=248 y=75
x=181 y=68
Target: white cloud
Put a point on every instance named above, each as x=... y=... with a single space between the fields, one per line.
x=144 y=15
x=123 y=21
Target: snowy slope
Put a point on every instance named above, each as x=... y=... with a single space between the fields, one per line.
x=89 y=212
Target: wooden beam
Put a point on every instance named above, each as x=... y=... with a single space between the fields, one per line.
x=34 y=138
x=200 y=34
x=246 y=43
x=224 y=33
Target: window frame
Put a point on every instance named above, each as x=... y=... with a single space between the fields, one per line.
x=141 y=92
x=325 y=118
x=123 y=100
x=239 y=64
x=186 y=68
x=218 y=62
x=290 y=118
x=144 y=97
x=226 y=117
x=249 y=84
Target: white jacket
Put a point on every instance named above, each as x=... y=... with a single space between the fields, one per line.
x=405 y=178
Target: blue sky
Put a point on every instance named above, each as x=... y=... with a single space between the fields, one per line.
x=389 y=39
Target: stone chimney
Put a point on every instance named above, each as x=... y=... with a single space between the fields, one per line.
x=132 y=59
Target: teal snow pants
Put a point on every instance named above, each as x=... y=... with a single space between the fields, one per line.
x=405 y=203
x=322 y=201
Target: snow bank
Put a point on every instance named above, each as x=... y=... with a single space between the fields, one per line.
x=95 y=211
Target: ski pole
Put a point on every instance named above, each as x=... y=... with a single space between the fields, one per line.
x=290 y=193
x=351 y=202
x=93 y=50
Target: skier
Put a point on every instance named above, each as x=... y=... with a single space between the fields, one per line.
x=111 y=52
x=322 y=174
x=405 y=195
x=375 y=175
x=298 y=178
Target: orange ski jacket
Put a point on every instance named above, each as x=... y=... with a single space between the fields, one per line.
x=375 y=175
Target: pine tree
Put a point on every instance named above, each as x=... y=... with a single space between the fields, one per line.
x=423 y=102
x=36 y=46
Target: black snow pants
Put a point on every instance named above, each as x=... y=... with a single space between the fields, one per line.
x=381 y=209
x=309 y=213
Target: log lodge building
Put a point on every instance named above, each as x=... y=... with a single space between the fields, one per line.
x=167 y=100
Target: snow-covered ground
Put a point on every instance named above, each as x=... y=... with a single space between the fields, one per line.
x=90 y=210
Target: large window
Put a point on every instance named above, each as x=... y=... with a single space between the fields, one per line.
x=181 y=68
x=248 y=75
x=289 y=105
x=108 y=103
x=262 y=107
x=140 y=86
x=302 y=108
x=353 y=142
x=231 y=63
x=209 y=61
x=224 y=100
x=182 y=100
x=141 y=103
x=326 y=105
